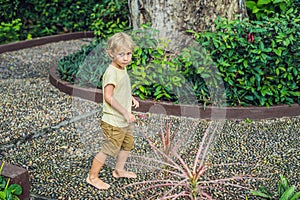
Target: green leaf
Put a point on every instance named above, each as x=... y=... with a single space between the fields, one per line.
x=263 y=2
x=15 y=189
x=286 y=42
x=260 y=194
x=261 y=45
x=167 y=95
x=279 y=1
x=296 y=196
x=288 y=193
x=264 y=190
x=250 y=98
x=2 y=182
x=277 y=71
x=204 y=75
x=255 y=10
x=250 y=4
x=8 y=195
x=160 y=51
x=283 y=185
x=142 y=89
x=2 y=195
x=142 y=96
x=159 y=96
x=158 y=88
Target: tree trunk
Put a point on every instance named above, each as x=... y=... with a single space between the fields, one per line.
x=173 y=17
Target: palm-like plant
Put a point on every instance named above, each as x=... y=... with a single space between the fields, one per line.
x=182 y=179
x=285 y=191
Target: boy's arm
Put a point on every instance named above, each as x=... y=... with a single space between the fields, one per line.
x=135 y=103
x=108 y=97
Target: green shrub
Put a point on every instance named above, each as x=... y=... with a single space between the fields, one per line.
x=259 y=60
x=93 y=66
x=69 y=67
x=109 y=17
x=42 y=18
x=8 y=10
x=201 y=74
x=158 y=78
x=256 y=62
x=10 y=32
x=153 y=75
x=258 y=9
x=296 y=3
x=161 y=75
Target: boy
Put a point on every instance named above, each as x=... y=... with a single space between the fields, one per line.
x=117 y=119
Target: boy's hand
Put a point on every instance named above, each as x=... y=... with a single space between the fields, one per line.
x=135 y=103
x=130 y=118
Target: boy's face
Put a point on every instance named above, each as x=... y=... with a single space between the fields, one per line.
x=122 y=58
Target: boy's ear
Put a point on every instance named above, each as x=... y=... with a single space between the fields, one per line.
x=110 y=54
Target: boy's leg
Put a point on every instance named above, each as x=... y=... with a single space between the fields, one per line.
x=119 y=169
x=97 y=165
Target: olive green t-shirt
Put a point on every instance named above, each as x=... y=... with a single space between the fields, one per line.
x=122 y=93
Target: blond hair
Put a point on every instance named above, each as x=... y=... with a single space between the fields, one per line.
x=118 y=42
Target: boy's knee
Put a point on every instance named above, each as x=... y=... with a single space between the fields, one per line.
x=128 y=145
x=110 y=149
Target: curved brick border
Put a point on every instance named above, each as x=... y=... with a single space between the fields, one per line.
x=252 y=112
x=44 y=40
x=94 y=94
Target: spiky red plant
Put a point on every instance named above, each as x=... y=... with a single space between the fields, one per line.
x=183 y=178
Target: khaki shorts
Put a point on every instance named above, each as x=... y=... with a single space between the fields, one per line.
x=116 y=139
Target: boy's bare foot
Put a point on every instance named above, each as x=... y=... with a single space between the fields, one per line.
x=97 y=183
x=123 y=174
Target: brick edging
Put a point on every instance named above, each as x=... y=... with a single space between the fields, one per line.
x=252 y=112
x=18 y=175
x=44 y=40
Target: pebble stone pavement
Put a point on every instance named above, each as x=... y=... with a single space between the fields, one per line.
x=55 y=136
